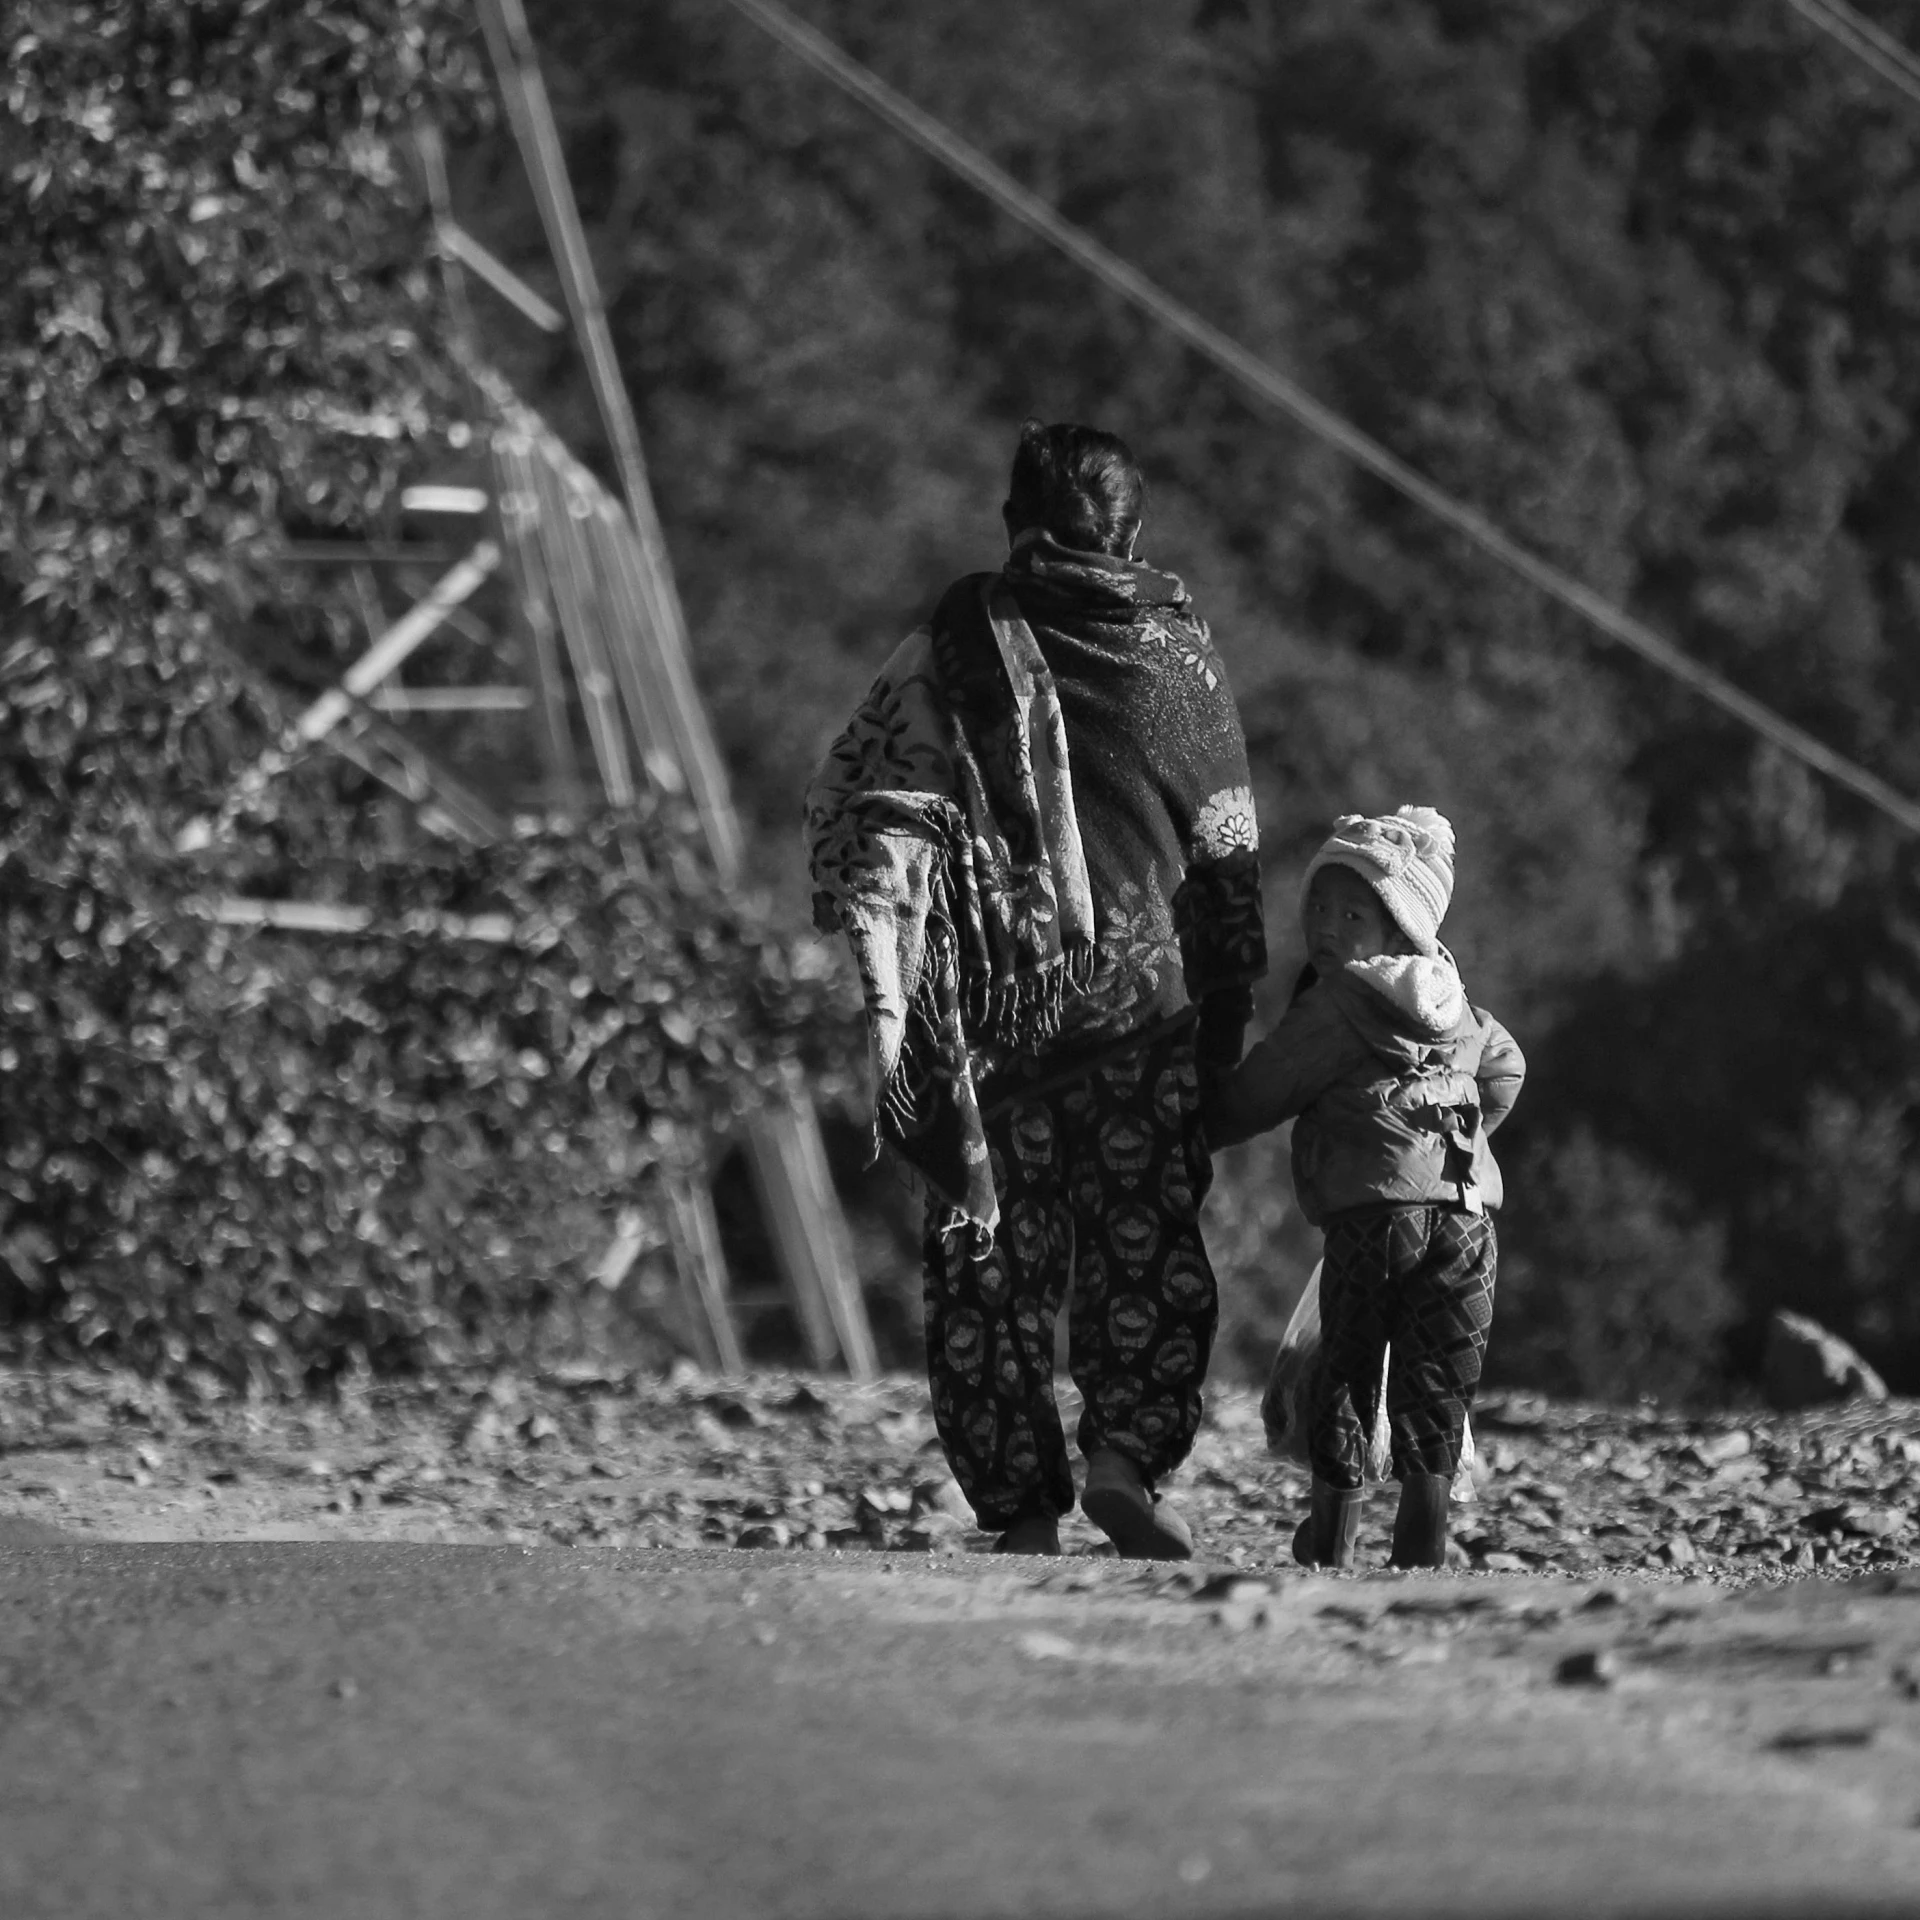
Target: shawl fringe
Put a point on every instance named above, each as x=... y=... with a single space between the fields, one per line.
x=1027 y=1009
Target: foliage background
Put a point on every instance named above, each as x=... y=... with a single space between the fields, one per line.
x=1637 y=281
x=273 y=1158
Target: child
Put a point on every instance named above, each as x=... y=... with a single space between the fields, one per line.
x=1396 y=1082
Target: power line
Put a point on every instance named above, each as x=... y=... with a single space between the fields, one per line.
x=1277 y=390
x=1871 y=45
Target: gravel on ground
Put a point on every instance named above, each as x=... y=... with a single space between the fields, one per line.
x=785 y=1463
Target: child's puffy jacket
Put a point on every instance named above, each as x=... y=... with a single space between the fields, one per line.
x=1394 y=1082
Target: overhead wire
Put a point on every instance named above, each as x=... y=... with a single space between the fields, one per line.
x=1873 y=46
x=1268 y=384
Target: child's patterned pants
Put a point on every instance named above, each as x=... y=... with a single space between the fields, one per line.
x=1422 y=1278
x=1100 y=1184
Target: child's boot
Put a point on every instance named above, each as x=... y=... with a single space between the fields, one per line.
x=1330 y=1533
x=1420 y=1527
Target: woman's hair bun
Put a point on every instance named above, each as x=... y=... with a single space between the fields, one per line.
x=1081 y=485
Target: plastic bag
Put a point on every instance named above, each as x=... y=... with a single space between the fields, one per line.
x=1283 y=1407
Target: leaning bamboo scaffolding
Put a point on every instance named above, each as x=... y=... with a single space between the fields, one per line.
x=601 y=531
x=618 y=581
x=663 y=628
x=557 y=563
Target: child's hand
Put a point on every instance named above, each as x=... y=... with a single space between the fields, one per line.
x=1216 y=1104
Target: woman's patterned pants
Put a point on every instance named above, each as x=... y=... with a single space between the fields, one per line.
x=1100 y=1184
x=1422 y=1278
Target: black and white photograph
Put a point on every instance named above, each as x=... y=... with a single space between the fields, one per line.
x=960 y=962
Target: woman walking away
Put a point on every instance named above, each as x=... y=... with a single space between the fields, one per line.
x=1038 y=836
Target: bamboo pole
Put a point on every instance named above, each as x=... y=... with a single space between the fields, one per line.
x=702 y=1269
x=659 y=681
x=787 y=1198
x=475 y=699
x=597 y=527
x=460 y=245
x=520 y=533
x=831 y=1248
x=516 y=489
x=391 y=648
x=517 y=63
x=338 y=715
x=536 y=620
x=327 y=916
x=580 y=624
x=382 y=752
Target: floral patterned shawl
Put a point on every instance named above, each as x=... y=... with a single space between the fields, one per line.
x=1038 y=835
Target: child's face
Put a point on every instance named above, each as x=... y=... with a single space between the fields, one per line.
x=1343 y=920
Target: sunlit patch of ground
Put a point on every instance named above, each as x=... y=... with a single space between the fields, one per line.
x=789 y=1464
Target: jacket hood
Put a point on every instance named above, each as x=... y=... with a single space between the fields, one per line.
x=1407 y=1007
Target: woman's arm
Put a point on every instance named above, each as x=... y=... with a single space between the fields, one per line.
x=1216 y=907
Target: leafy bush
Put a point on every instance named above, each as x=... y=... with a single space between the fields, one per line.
x=258 y=1151
x=276 y=1154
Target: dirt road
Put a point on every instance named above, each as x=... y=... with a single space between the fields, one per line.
x=465 y=1654
x=213 y=1728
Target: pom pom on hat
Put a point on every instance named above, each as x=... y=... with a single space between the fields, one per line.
x=1406 y=857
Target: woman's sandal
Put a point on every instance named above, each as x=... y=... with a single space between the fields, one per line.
x=1140 y=1526
x=1032 y=1533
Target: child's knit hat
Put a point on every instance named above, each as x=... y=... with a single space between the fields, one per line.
x=1406 y=857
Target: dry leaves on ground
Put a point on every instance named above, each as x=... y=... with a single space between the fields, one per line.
x=786 y=1463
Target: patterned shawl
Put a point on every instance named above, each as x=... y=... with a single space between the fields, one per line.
x=951 y=840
